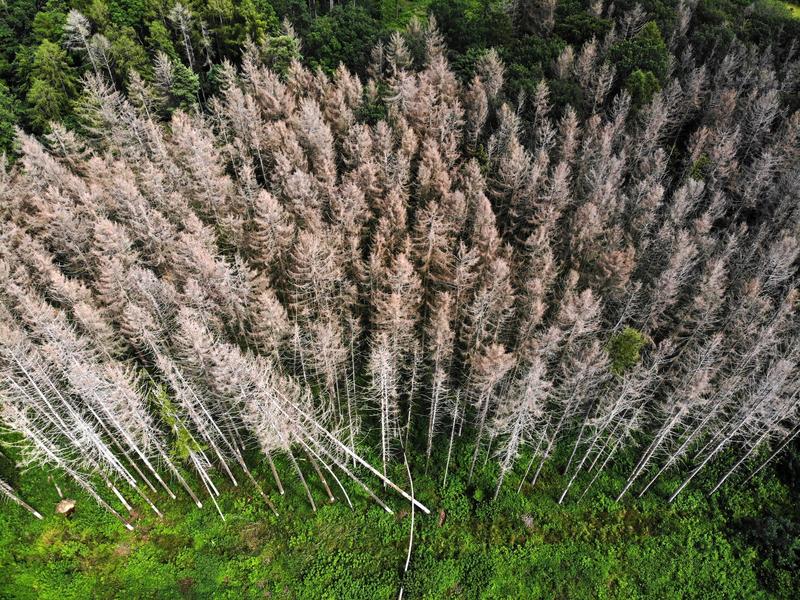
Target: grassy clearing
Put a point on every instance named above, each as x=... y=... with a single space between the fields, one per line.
x=522 y=546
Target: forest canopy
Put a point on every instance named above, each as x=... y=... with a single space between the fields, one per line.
x=493 y=242
x=126 y=37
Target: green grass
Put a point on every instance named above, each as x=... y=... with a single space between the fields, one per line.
x=794 y=9
x=522 y=546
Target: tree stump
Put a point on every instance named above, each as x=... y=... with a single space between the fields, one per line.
x=442 y=517
x=66 y=508
x=528 y=521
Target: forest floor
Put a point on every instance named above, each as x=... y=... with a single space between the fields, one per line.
x=740 y=543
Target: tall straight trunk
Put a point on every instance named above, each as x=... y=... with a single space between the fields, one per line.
x=786 y=441
x=207 y=483
x=763 y=396
x=149 y=502
x=488 y=449
x=705 y=461
x=333 y=439
x=452 y=434
x=678 y=453
x=533 y=457
x=43 y=445
x=617 y=444
x=434 y=412
x=322 y=479
x=411 y=394
x=484 y=412
x=91 y=491
x=550 y=444
x=343 y=466
x=614 y=417
x=601 y=450
x=97 y=443
x=174 y=470
x=644 y=461
x=740 y=461
x=299 y=350
x=577 y=470
x=384 y=431
x=255 y=483
x=7 y=491
x=351 y=428
x=130 y=443
x=508 y=460
x=353 y=391
x=329 y=470
x=274 y=473
x=411 y=532
x=600 y=469
x=302 y=479
x=55 y=485
x=579 y=438
x=201 y=420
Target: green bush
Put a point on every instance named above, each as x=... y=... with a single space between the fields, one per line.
x=641 y=85
x=624 y=348
x=644 y=52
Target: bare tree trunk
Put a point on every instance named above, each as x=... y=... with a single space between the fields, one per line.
x=450 y=445
x=6 y=490
x=512 y=447
x=144 y=497
x=329 y=470
x=533 y=457
x=411 y=533
x=614 y=448
x=648 y=454
x=255 y=483
x=677 y=454
x=578 y=440
x=274 y=473
x=704 y=462
x=577 y=472
x=302 y=479
x=58 y=489
x=432 y=417
x=740 y=461
x=478 y=438
x=174 y=470
x=360 y=460
x=353 y=367
x=351 y=475
x=209 y=485
x=411 y=393
x=314 y=464
x=787 y=440
x=488 y=450
x=549 y=449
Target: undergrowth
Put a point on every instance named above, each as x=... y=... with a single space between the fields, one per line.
x=739 y=543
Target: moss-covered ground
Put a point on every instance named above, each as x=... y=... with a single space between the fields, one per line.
x=740 y=543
